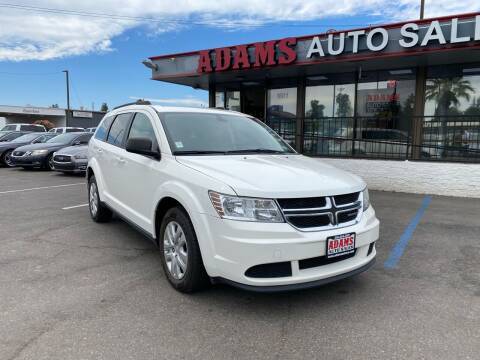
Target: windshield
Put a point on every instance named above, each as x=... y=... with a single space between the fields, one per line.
x=63 y=138
x=204 y=133
x=25 y=138
x=10 y=136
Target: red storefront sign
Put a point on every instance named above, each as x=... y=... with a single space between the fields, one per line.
x=237 y=57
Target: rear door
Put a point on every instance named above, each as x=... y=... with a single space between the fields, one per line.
x=114 y=163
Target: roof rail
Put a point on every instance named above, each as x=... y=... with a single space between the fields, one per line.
x=138 y=102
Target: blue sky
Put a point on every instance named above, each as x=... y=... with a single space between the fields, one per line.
x=108 y=69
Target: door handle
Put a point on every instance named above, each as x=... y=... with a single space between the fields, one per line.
x=99 y=150
x=121 y=160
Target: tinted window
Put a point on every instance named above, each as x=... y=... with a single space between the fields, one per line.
x=102 y=130
x=84 y=139
x=11 y=136
x=10 y=127
x=74 y=130
x=31 y=128
x=117 y=132
x=26 y=138
x=142 y=128
x=43 y=138
x=63 y=138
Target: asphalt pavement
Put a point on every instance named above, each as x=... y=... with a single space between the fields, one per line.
x=74 y=289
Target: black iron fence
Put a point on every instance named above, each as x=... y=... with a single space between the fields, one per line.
x=443 y=138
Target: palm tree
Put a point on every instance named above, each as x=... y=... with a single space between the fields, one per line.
x=447 y=92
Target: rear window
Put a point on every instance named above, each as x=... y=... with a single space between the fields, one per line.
x=102 y=130
x=34 y=128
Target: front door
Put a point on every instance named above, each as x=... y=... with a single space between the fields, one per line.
x=253 y=102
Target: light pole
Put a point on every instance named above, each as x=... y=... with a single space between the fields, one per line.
x=68 y=97
x=422 y=9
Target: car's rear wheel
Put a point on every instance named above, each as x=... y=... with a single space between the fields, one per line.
x=7 y=158
x=181 y=257
x=98 y=211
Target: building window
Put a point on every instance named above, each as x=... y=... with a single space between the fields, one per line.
x=232 y=100
x=282 y=112
x=451 y=126
x=375 y=121
x=384 y=114
x=328 y=114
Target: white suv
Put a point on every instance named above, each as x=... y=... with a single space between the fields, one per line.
x=227 y=200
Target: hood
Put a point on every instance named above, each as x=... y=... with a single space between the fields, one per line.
x=74 y=150
x=275 y=176
x=49 y=146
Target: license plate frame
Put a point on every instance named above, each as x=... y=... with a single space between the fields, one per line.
x=340 y=245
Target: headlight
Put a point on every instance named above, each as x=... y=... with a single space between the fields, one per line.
x=80 y=157
x=39 y=152
x=366 y=199
x=245 y=209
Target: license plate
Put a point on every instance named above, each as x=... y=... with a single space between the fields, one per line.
x=340 y=245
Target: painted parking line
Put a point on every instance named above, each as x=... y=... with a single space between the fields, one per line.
x=40 y=188
x=74 y=206
x=402 y=243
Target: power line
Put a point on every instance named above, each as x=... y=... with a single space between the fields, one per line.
x=209 y=22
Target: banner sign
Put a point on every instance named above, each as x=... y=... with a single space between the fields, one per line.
x=460 y=31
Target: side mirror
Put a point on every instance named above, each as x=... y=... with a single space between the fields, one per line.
x=142 y=146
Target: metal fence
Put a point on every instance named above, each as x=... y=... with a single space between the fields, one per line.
x=447 y=138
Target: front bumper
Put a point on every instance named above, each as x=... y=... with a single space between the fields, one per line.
x=230 y=248
x=29 y=161
x=72 y=166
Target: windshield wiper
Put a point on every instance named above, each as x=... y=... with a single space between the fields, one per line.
x=198 y=152
x=259 y=151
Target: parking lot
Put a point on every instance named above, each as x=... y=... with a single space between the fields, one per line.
x=74 y=289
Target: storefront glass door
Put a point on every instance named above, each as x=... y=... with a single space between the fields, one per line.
x=253 y=102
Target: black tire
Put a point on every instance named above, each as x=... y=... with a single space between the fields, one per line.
x=195 y=277
x=49 y=163
x=6 y=158
x=100 y=213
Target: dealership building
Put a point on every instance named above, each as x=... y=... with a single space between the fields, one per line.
x=58 y=117
x=398 y=104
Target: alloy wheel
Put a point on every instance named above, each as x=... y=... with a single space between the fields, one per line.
x=175 y=250
x=93 y=199
x=8 y=159
x=50 y=163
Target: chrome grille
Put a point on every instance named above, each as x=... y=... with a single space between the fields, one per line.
x=322 y=213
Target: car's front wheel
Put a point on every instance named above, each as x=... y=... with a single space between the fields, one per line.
x=7 y=158
x=181 y=258
x=49 y=163
x=98 y=211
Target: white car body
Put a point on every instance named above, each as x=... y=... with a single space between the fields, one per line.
x=24 y=127
x=133 y=186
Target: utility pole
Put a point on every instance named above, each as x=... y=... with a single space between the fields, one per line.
x=422 y=9
x=68 y=97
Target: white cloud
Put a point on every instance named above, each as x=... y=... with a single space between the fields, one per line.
x=30 y=35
